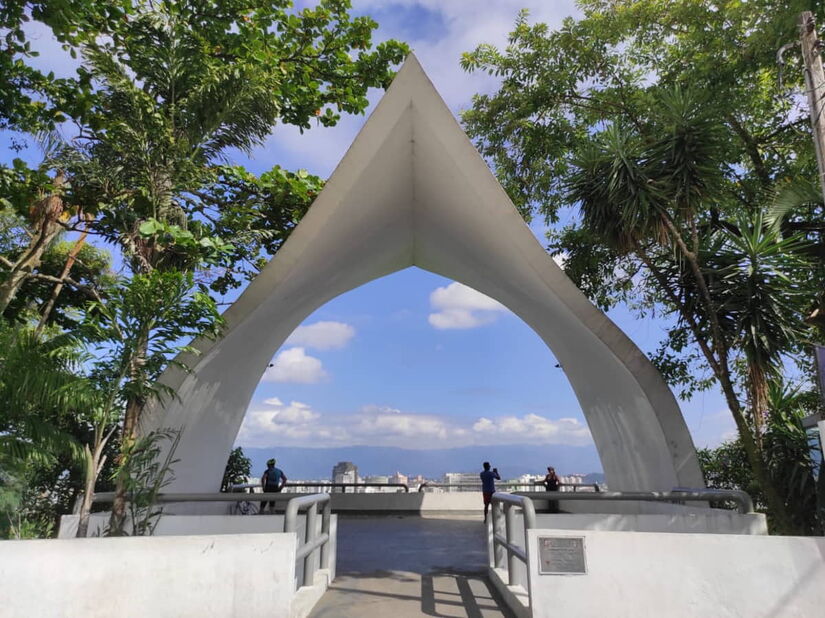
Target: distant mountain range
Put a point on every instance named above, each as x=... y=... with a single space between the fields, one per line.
x=512 y=460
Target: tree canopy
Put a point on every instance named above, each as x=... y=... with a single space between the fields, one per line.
x=683 y=151
x=137 y=150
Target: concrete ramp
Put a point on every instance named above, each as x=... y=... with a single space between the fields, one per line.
x=394 y=567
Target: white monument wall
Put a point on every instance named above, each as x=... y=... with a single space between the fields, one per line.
x=176 y=577
x=639 y=575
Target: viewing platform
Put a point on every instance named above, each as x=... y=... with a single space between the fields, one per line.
x=430 y=554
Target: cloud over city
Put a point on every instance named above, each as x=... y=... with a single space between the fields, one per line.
x=460 y=307
x=298 y=424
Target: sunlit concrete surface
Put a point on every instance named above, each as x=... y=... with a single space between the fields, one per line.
x=656 y=575
x=413 y=191
x=219 y=576
x=393 y=567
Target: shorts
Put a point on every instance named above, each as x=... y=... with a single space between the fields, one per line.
x=487 y=496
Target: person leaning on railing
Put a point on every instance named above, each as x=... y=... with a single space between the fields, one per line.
x=273 y=481
x=551 y=483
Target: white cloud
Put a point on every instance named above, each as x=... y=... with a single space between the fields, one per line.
x=296 y=413
x=532 y=428
x=322 y=335
x=461 y=307
x=298 y=424
x=279 y=423
x=294 y=365
x=379 y=422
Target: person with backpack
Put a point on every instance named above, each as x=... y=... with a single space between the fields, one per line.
x=551 y=483
x=272 y=481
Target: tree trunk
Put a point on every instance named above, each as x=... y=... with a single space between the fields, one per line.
x=58 y=287
x=45 y=215
x=719 y=366
x=130 y=423
x=8 y=289
x=776 y=505
x=94 y=464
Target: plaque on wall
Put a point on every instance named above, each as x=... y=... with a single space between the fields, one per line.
x=561 y=555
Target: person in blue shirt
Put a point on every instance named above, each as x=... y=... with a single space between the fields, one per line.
x=273 y=481
x=488 y=485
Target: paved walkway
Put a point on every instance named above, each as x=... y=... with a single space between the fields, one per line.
x=399 y=566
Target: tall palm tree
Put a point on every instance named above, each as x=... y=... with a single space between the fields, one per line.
x=651 y=190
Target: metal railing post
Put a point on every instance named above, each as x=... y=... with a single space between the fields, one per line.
x=499 y=551
x=326 y=516
x=512 y=560
x=311 y=535
x=528 y=512
x=504 y=512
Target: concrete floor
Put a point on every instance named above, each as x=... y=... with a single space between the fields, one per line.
x=399 y=566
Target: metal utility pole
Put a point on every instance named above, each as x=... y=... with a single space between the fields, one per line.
x=815 y=86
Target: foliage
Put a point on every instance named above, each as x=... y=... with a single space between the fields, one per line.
x=146 y=465
x=30 y=99
x=140 y=327
x=238 y=469
x=667 y=126
x=184 y=84
x=91 y=270
x=19 y=516
x=792 y=455
x=38 y=390
x=43 y=399
x=163 y=94
x=559 y=86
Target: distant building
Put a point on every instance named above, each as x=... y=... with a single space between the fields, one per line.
x=578 y=482
x=344 y=472
x=379 y=479
x=527 y=482
x=457 y=479
x=398 y=478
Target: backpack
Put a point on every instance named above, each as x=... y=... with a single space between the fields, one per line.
x=273 y=477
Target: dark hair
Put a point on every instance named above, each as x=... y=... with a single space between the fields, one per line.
x=486 y=465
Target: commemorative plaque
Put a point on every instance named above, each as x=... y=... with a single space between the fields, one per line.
x=561 y=555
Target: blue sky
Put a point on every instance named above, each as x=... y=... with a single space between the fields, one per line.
x=415 y=360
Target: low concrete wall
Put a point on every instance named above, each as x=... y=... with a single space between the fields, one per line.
x=626 y=508
x=176 y=525
x=220 y=575
x=716 y=522
x=638 y=574
x=188 y=525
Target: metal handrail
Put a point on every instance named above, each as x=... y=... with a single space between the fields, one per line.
x=462 y=486
x=741 y=498
x=504 y=512
x=314 y=543
x=504 y=485
x=576 y=486
x=320 y=484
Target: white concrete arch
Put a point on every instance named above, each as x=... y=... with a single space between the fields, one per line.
x=413 y=191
